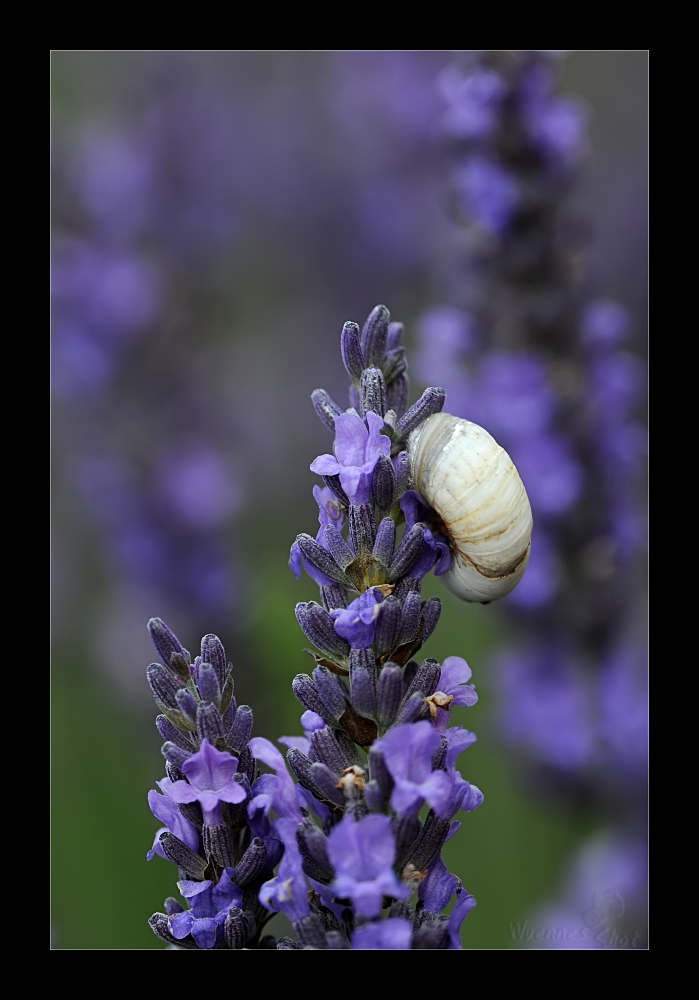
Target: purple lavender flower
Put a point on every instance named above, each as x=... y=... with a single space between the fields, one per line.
x=357 y=451
x=357 y=622
x=408 y=751
x=394 y=934
x=210 y=903
x=455 y=674
x=288 y=892
x=164 y=808
x=329 y=512
x=210 y=782
x=362 y=855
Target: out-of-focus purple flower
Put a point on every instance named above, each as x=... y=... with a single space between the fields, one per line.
x=210 y=904
x=394 y=934
x=489 y=192
x=546 y=707
x=165 y=809
x=283 y=792
x=357 y=451
x=329 y=512
x=623 y=724
x=357 y=622
x=539 y=584
x=556 y=126
x=199 y=487
x=210 y=782
x=408 y=751
x=605 y=324
x=362 y=855
x=552 y=477
x=473 y=101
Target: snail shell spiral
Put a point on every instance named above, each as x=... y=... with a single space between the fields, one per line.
x=473 y=485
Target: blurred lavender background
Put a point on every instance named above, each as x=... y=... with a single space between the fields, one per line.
x=217 y=216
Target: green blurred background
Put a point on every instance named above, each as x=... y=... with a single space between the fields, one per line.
x=257 y=324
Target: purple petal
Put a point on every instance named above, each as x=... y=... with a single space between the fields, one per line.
x=385 y=935
x=326 y=465
x=180 y=924
x=299 y=742
x=180 y=791
x=351 y=438
x=463 y=906
x=210 y=769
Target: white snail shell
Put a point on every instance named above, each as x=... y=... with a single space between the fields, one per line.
x=473 y=485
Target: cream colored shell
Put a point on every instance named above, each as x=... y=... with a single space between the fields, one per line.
x=472 y=484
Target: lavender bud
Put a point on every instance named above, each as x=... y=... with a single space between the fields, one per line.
x=397 y=394
x=407 y=553
x=431 y=610
x=325 y=748
x=284 y=943
x=338 y=547
x=247 y=767
x=432 y=935
x=217 y=844
x=394 y=365
x=362 y=693
x=301 y=766
x=334 y=596
x=374 y=798
x=380 y=773
x=412 y=709
x=429 y=841
x=228 y=717
x=238 y=927
x=165 y=641
x=439 y=758
x=431 y=401
x=314 y=553
x=158 y=923
x=186 y=860
x=330 y=691
x=362 y=528
x=387 y=625
x=207 y=682
x=252 y=862
x=316 y=845
x=319 y=627
x=374 y=335
x=333 y=483
x=394 y=336
x=173 y=906
x=410 y=618
x=174 y=754
x=187 y=703
x=405 y=830
x=239 y=735
x=310 y=932
x=324 y=778
x=163 y=685
x=326 y=409
x=388 y=696
x=385 y=540
x=305 y=692
x=425 y=680
x=212 y=652
x=383 y=484
x=172 y=734
x=173 y=772
x=208 y=722
x=401 y=466
x=192 y=812
x=407 y=585
x=372 y=392
x=363 y=658
x=348 y=749
x=351 y=349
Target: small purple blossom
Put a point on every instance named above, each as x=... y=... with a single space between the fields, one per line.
x=453 y=680
x=394 y=934
x=436 y=550
x=357 y=451
x=288 y=892
x=362 y=855
x=281 y=790
x=165 y=809
x=490 y=193
x=210 y=782
x=329 y=512
x=408 y=752
x=210 y=904
x=357 y=622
